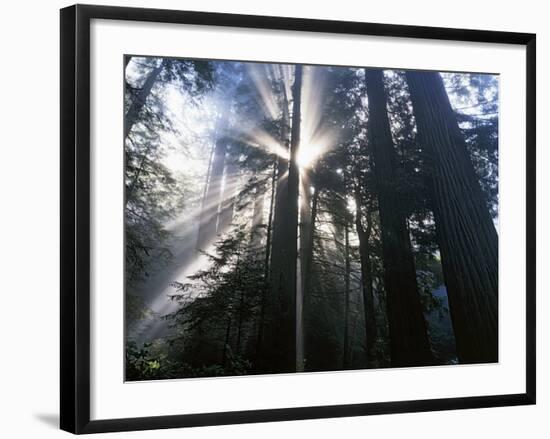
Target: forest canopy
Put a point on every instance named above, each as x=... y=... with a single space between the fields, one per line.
x=296 y=218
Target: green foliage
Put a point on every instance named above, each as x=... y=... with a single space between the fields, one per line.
x=219 y=306
x=478 y=119
x=141 y=364
x=147 y=363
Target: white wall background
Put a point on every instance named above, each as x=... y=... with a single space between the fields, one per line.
x=29 y=247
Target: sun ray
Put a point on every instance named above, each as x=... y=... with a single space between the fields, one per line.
x=259 y=138
x=315 y=139
x=260 y=75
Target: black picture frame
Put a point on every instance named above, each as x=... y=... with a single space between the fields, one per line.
x=75 y=217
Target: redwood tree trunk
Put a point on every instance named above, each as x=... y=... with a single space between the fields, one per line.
x=282 y=326
x=467 y=237
x=409 y=345
x=279 y=215
x=268 y=348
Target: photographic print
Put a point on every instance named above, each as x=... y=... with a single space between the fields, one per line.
x=283 y=218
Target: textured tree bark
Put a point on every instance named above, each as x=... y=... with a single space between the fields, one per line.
x=135 y=107
x=272 y=303
x=279 y=215
x=290 y=250
x=467 y=237
x=409 y=345
x=282 y=326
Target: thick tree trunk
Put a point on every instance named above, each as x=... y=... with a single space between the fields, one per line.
x=135 y=107
x=282 y=326
x=290 y=250
x=409 y=345
x=366 y=277
x=272 y=302
x=467 y=237
x=279 y=215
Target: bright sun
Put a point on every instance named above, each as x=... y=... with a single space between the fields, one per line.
x=306 y=156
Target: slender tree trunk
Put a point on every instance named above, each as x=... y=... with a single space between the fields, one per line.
x=227 y=198
x=306 y=218
x=467 y=237
x=307 y=245
x=257 y=216
x=306 y=255
x=138 y=103
x=261 y=323
x=226 y=340
x=212 y=197
x=270 y=224
x=409 y=345
x=207 y=178
x=240 y=322
x=347 y=274
x=366 y=277
x=304 y=226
